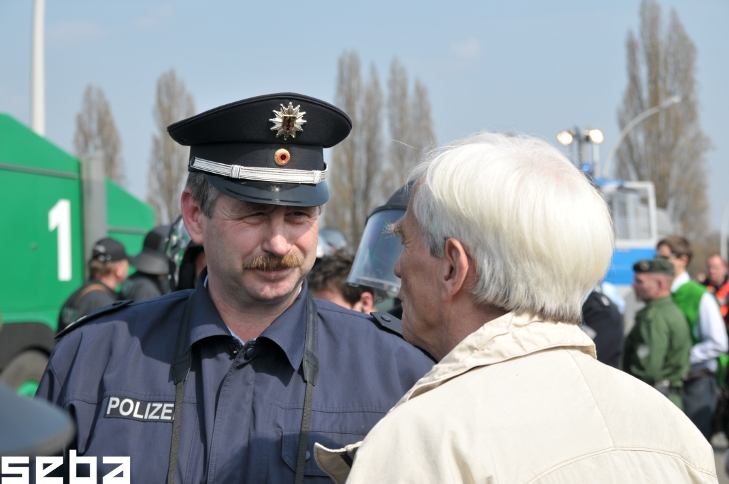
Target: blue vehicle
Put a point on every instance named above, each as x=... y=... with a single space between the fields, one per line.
x=633 y=207
x=639 y=225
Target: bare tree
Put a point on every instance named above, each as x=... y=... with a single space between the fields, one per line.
x=410 y=122
x=357 y=162
x=667 y=148
x=346 y=155
x=371 y=184
x=702 y=247
x=422 y=135
x=96 y=134
x=365 y=169
x=168 y=165
x=402 y=152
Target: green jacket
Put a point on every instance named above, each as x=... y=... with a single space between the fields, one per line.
x=657 y=348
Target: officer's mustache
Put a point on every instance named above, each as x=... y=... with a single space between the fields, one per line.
x=270 y=262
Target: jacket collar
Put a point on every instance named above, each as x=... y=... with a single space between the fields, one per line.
x=662 y=301
x=502 y=339
x=287 y=331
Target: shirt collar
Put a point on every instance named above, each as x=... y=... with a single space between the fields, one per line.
x=287 y=331
x=205 y=320
x=679 y=281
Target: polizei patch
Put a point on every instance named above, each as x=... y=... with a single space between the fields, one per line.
x=120 y=407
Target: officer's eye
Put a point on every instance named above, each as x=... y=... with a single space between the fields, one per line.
x=303 y=213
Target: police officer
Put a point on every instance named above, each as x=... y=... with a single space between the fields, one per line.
x=235 y=380
x=153 y=267
x=188 y=258
x=379 y=250
x=603 y=323
x=108 y=267
x=657 y=348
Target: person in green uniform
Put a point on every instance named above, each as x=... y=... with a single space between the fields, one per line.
x=708 y=335
x=657 y=348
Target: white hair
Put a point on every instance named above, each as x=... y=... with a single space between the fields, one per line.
x=539 y=232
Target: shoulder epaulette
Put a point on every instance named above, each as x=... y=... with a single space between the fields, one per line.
x=389 y=322
x=93 y=315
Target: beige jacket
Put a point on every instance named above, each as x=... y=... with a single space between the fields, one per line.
x=524 y=401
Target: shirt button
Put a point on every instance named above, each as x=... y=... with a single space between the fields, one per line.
x=250 y=352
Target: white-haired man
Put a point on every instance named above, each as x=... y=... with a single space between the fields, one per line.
x=502 y=238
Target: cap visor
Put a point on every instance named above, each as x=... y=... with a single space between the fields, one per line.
x=289 y=194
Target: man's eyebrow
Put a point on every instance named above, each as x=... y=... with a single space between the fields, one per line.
x=245 y=206
x=396 y=229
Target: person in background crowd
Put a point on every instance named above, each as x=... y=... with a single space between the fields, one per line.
x=603 y=323
x=192 y=265
x=153 y=267
x=378 y=251
x=330 y=242
x=234 y=381
x=717 y=283
x=187 y=258
x=657 y=348
x=108 y=267
x=328 y=280
x=611 y=291
x=708 y=334
x=503 y=237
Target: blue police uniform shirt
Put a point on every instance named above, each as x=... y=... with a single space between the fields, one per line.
x=242 y=405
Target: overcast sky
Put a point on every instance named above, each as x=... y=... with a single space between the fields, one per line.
x=529 y=66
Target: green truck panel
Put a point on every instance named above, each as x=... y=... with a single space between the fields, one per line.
x=41 y=235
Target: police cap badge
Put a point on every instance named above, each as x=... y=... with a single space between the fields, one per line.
x=267 y=149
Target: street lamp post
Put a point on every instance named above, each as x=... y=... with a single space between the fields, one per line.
x=581 y=136
x=632 y=124
x=38 y=90
x=723 y=232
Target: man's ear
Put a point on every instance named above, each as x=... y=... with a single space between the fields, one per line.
x=665 y=282
x=368 y=302
x=192 y=215
x=454 y=268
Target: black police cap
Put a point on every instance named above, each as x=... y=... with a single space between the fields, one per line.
x=266 y=149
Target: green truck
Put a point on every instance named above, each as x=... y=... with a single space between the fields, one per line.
x=54 y=206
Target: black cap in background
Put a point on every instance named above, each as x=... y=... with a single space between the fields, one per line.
x=108 y=250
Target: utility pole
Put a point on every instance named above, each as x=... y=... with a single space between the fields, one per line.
x=38 y=99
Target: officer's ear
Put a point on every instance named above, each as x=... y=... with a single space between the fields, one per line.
x=192 y=215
